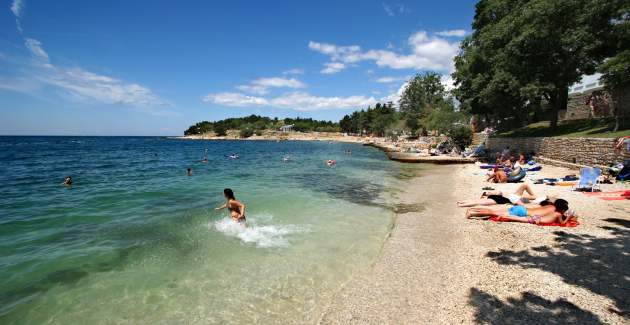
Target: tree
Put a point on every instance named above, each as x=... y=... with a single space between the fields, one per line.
x=422 y=93
x=220 y=129
x=521 y=51
x=616 y=70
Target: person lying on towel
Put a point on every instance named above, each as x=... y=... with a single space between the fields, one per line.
x=556 y=212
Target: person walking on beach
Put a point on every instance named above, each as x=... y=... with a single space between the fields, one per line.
x=237 y=208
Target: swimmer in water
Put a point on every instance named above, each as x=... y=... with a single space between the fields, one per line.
x=330 y=162
x=189 y=171
x=205 y=156
x=237 y=209
x=67 y=181
x=233 y=156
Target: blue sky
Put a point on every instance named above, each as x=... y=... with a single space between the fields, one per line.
x=156 y=67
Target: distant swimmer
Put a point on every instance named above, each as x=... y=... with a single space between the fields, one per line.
x=189 y=171
x=286 y=158
x=237 y=209
x=348 y=152
x=67 y=181
x=331 y=162
x=233 y=156
x=205 y=156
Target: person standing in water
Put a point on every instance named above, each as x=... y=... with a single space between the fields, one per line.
x=237 y=209
x=189 y=171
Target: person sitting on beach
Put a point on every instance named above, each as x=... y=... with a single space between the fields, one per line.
x=524 y=194
x=545 y=214
x=67 y=181
x=498 y=175
x=521 y=162
x=189 y=172
x=237 y=209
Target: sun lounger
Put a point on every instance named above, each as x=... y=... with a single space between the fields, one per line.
x=588 y=179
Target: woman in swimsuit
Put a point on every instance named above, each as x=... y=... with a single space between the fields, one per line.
x=237 y=209
x=519 y=213
x=524 y=194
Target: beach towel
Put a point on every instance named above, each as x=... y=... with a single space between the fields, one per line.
x=610 y=196
x=570 y=224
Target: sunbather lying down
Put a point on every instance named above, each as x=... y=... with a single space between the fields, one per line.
x=524 y=194
x=556 y=212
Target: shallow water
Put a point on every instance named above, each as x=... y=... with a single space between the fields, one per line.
x=135 y=240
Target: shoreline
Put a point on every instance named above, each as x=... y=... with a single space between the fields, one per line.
x=438 y=267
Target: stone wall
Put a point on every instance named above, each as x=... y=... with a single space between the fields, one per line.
x=595 y=103
x=572 y=151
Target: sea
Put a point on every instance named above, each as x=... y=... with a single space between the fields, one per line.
x=135 y=240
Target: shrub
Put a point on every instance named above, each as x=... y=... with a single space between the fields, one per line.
x=246 y=132
x=461 y=135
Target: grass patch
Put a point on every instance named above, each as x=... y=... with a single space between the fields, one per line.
x=574 y=129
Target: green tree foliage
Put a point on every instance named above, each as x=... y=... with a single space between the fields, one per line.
x=373 y=121
x=423 y=94
x=257 y=124
x=524 y=50
x=616 y=70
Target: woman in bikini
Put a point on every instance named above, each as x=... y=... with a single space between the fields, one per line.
x=237 y=209
x=524 y=194
x=544 y=214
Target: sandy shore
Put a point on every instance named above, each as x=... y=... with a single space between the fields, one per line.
x=438 y=267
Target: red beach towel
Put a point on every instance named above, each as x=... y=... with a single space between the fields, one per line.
x=570 y=224
x=610 y=196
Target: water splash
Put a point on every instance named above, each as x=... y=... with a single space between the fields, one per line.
x=257 y=232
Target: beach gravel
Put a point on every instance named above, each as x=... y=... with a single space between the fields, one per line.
x=439 y=268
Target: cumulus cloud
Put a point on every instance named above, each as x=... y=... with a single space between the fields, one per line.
x=452 y=33
x=386 y=80
x=16 y=7
x=83 y=84
x=300 y=101
x=333 y=67
x=235 y=99
x=261 y=86
x=428 y=52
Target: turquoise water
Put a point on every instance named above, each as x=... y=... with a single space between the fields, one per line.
x=135 y=240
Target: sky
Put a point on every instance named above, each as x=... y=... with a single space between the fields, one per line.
x=157 y=67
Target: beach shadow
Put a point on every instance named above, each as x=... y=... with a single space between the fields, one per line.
x=528 y=309
x=598 y=264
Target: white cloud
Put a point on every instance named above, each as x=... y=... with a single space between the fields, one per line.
x=16 y=7
x=427 y=52
x=333 y=67
x=388 y=10
x=387 y=79
x=293 y=71
x=300 y=101
x=83 y=84
x=395 y=96
x=261 y=86
x=234 y=99
x=448 y=82
x=36 y=49
x=452 y=33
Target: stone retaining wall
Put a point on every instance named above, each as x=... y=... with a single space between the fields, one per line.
x=574 y=151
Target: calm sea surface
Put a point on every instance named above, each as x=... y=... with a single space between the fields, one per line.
x=135 y=240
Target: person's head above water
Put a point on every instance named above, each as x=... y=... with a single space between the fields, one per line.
x=561 y=205
x=229 y=194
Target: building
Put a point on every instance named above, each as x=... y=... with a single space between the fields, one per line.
x=286 y=128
